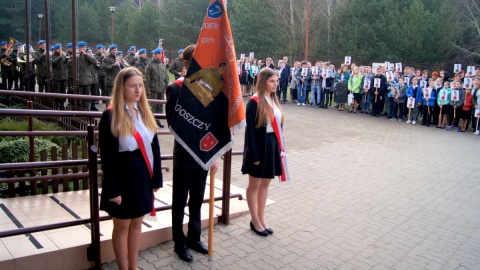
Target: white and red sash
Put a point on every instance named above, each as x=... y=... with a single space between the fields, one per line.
x=277 y=128
x=147 y=154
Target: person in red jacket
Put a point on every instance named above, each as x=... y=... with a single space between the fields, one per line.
x=465 y=111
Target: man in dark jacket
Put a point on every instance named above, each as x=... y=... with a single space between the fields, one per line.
x=157 y=80
x=378 y=97
x=111 y=66
x=100 y=72
x=85 y=61
x=59 y=75
x=176 y=68
x=40 y=60
x=12 y=57
x=131 y=57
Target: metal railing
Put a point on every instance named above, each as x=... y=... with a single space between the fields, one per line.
x=93 y=251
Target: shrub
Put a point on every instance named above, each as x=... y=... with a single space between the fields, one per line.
x=12 y=151
x=11 y=124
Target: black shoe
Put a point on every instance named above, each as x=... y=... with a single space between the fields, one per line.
x=269 y=230
x=184 y=254
x=262 y=233
x=160 y=124
x=198 y=246
x=93 y=109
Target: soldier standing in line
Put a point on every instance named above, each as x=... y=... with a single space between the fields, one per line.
x=28 y=83
x=69 y=54
x=85 y=61
x=176 y=68
x=112 y=66
x=157 y=80
x=6 y=71
x=131 y=57
x=100 y=72
x=59 y=75
x=12 y=57
x=94 y=85
x=40 y=60
x=142 y=61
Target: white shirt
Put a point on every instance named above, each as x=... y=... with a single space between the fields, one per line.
x=129 y=143
x=276 y=111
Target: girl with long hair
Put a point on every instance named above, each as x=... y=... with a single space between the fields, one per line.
x=130 y=154
x=261 y=156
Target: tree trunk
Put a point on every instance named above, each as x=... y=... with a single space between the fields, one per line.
x=292 y=22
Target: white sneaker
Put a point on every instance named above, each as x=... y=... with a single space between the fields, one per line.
x=408 y=122
x=414 y=122
x=298 y=104
x=303 y=104
x=476 y=132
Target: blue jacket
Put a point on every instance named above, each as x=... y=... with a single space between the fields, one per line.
x=431 y=98
x=346 y=77
x=416 y=93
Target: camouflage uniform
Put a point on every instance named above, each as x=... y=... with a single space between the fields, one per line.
x=27 y=82
x=100 y=73
x=6 y=71
x=130 y=59
x=40 y=60
x=176 y=67
x=157 y=80
x=59 y=77
x=111 y=71
x=85 y=76
x=12 y=57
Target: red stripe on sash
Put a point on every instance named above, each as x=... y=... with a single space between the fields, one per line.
x=141 y=146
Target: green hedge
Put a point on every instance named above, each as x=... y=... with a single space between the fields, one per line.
x=12 y=151
x=11 y=124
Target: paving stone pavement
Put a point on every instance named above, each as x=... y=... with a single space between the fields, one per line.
x=367 y=193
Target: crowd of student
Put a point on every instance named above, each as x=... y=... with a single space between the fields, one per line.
x=400 y=95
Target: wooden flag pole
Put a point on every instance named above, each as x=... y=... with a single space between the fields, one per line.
x=210 y=214
x=478 y=118
x=454 y=110
x=376 y=95
x=409 y=112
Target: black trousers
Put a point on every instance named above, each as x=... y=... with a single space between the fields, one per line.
x=427 y=115
x=377 y=107
x=186 y=181
x=101 y=84
x=59 y=87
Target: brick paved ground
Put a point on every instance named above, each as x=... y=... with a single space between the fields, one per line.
x=367 y=193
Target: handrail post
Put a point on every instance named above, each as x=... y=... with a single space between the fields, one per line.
x=227 y=178
x=31 y=141
x=93 y=252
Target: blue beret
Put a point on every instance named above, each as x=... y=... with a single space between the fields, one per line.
x=142 y=50
x=113 y=46
x=52 y=48
x=82 y=44
x=41 y=42
x=180 y=51
x=89 y=48
x=119 y=52
x=157 y=51
x=69 y=45
x=17 y=44
x=99 y=46
x=3 y=43
x=58 y=45
x=132 y=48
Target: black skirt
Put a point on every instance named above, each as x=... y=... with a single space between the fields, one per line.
x=341 y=93
x=135 y=186
x=272 y=164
